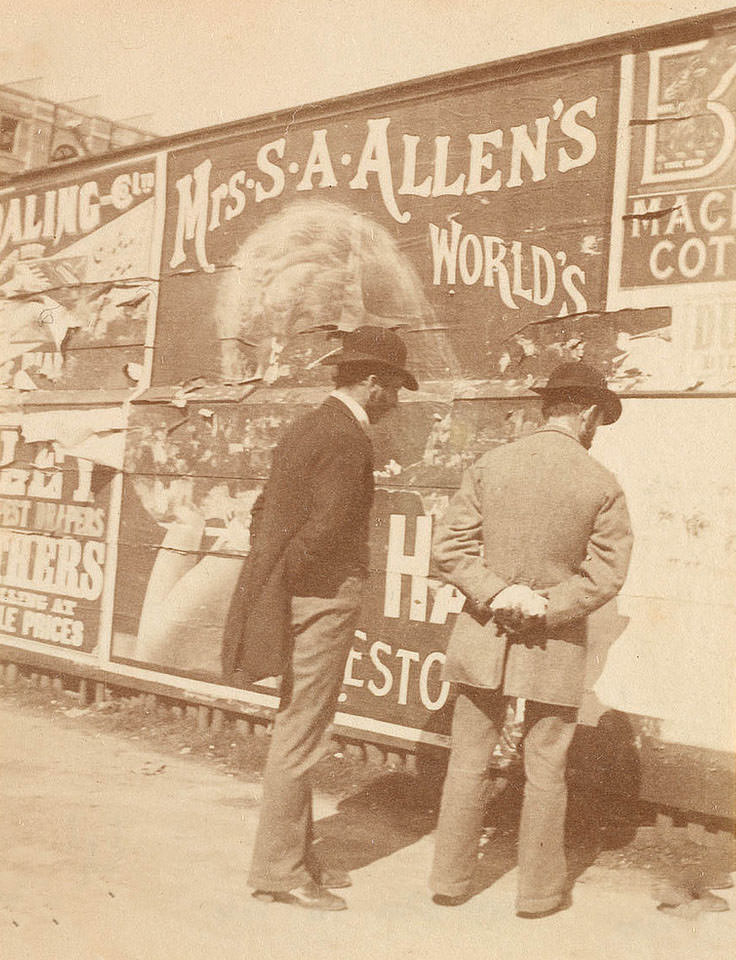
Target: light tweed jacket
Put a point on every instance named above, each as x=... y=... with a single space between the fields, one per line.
x=543 y=512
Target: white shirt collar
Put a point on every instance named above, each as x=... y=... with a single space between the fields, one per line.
x=353 y=406
x=557 y=428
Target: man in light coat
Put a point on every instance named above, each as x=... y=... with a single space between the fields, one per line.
x=537 y=537
x=296 y=606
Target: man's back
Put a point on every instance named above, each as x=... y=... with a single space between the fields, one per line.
x=316 y=504
x=309 y=531
x=539 y=499
x=537 y=537
x=541 y=512
x=308 y=566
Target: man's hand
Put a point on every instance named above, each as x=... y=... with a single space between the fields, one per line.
x=518 y=607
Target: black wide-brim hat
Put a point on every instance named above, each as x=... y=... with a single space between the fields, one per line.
x=578 y=381
x=373 y=345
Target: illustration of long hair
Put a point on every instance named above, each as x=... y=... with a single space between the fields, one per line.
x=319 y=264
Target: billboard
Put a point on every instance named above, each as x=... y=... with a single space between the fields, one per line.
x=465 y=217
x=77 y=284
x=674 y=213
x=54 y=529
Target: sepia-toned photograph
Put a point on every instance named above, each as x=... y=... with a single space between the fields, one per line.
x=367 y=480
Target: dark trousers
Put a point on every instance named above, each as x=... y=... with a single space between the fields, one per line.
x=323 y=632
x=476 y=728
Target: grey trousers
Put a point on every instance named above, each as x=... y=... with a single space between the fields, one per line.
x=476 y=727
x=323 y=632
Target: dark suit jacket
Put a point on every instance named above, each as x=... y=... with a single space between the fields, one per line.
x=539 y=511
x=309 y=532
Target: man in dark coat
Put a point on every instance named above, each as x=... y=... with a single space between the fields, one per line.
x=299 y=599
x=537 y=537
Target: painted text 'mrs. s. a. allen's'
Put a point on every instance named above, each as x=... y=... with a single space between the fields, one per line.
x=493 y=160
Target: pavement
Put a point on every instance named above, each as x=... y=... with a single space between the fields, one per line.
x=113 y=850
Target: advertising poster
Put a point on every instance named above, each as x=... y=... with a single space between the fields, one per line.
x=674 y=214
x=54 y=516
x=77 y=289
x=184 y=530
x=474 y=219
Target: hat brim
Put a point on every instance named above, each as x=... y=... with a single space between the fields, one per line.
x=606 y=399
x=344 y=358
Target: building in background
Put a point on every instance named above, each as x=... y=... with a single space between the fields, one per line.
x=35 y=132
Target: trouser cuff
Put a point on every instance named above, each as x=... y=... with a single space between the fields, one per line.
x=539 y=905
x=445 y=889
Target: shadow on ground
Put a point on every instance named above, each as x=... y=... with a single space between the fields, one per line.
x=605 y=821
x=392 y=812
x=396 y=809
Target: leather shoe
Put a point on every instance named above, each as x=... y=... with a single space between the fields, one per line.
x=445 y=900
x=564 y=904
x=311 y=896
x=333 y=879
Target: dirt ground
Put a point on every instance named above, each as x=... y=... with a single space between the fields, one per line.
x=126 y=833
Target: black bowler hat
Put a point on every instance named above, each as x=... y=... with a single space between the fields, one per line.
x=578 y=381
x=377 y=345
